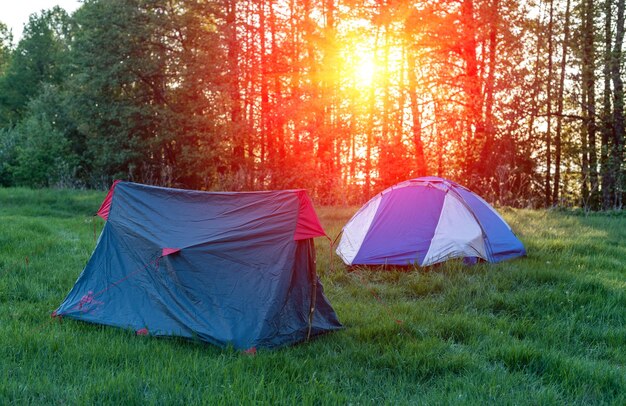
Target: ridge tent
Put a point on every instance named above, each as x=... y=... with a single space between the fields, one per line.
x=228 y=268
x=424 y=221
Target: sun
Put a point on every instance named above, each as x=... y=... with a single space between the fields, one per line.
x=360 y=65
x=365 y=71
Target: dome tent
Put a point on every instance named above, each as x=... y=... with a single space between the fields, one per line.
x=232 y=269
x=424 y=221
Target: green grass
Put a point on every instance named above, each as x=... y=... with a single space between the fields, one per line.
x=549 y=328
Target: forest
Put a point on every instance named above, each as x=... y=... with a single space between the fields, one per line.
x=520 y=101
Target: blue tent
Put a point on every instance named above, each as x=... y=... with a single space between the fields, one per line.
x=424 y=221
x=228 y=268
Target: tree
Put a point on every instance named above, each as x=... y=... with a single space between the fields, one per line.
x=559 y=110
x=40 y=57
x=6 y=43
x=343 y=98
x=549 y=101
x=45 y=155
x=590 y=187
x=144 y=91
x=617 y=155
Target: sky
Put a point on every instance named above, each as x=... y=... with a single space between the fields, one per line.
x=14 y=13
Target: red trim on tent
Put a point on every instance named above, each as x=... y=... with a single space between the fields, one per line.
x=142 y=332
x=106 y=204
x=308 y=225
x=167 y=251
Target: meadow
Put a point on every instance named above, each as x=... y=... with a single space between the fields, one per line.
x=546 y=329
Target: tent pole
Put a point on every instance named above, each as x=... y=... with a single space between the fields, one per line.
x=314 y=293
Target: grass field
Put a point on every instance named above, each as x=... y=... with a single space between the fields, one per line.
x=546 y=329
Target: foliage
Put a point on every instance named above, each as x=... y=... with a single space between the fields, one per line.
x=139 y=90
x=6 y=41
x=39 y=58
x=342 y=98
x=8 y=156
x=544 y=329
x=44 y=153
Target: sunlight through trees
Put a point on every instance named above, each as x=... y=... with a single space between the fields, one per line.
x=520 y=101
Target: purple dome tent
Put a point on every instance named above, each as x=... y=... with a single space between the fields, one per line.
x=424 y=221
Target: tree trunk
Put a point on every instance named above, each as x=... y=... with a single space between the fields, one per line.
x=559 y=118
x=249 y=62
x=584 y=146
x=265 y=140
x=618 y=106
x=475 y=127
x=386 y=154
x=370 y=128
x=416 y=114
x=312 y=92
x=591 y=105
x=235 y=97
x=486 y=164
x=548 y=176
x=536 y=87
x=325 y=120
x=608 y=182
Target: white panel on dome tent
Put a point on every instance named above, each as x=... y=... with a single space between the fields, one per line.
x=355 y=231
x=457 y=235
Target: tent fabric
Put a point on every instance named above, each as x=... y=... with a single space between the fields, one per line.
x=105 y=207
x=424 y=221
x=308 y=225
x=231 y=269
